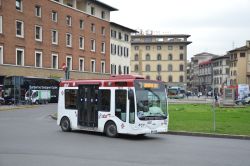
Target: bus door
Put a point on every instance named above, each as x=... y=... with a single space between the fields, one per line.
x=88 y=105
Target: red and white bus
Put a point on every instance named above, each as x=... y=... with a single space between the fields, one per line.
x=119 y=105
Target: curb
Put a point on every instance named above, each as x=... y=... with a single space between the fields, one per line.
x=184 y=133
x=53 y=116
x=15 y=108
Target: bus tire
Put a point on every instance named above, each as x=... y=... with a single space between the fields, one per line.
x=65 y=124
x=111 y=129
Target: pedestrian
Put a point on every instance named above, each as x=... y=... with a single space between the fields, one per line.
x=216 y=97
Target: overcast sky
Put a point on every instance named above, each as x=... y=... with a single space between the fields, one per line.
x=215 y=26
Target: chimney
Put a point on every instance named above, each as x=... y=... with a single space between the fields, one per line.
x=248 y=44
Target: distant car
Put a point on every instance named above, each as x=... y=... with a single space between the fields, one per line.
x=247 y=100
x=1 y=101
x=199 y=94
x=244 y=100
x=188 y=93
x=240 y=101
x=209 y=93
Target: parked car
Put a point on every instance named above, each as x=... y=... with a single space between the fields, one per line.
x=240 y=101
x=1 y=101
x=188 y=93
x=210 y=93
x=244 y=100
x=247 y=100
x=199 y=94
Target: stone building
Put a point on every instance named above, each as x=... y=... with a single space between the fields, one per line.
x=189 y=70
x=220 y=72
x=38 y=36
x=205 y=77
x=120 y=49
x=160 y=57
x=240 y=65
x=195 y=61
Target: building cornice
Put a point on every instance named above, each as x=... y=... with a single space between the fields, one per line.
x=160 y=36
x=159 y=43
x=104 y=5
x=122 y=27
x=77 y=10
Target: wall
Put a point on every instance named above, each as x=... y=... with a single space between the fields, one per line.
x=46 y=73
x=118 y=59
x=10 y=42
x=176 y=73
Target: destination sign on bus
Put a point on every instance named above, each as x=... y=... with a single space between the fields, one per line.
x=149 y=85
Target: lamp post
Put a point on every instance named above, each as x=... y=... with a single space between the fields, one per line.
x=213 y=97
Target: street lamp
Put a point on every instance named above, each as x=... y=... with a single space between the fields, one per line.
x=213 y=109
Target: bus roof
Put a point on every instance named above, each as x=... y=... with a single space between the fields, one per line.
x=113 y=81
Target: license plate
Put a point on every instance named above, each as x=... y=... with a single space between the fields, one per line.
x=153 y=131
x=150 y=122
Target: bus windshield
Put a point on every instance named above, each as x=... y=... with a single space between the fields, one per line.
x=151 y=100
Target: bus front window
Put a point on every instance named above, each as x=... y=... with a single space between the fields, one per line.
x=151 y=101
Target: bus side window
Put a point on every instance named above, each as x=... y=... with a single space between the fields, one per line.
x=120 y=104
x=104 y=100
x=70 y=98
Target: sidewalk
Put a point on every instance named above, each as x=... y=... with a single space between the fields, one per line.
x=14 y=107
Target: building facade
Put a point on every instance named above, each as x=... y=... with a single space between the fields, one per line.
x=240 y=65
x=205 y=77
x=195 y=61
x=189 y=69
x=160 y=57
x=221 y=72
x=37 y=37
x=120 y=49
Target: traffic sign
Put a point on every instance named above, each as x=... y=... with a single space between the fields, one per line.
x=64 y=67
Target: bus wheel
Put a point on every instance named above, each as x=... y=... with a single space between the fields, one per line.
x=111 y=129
x=65 y=124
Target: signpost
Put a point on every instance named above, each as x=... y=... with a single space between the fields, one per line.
x=213 y=109
x=66 y=69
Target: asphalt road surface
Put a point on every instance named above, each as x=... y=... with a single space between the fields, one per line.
x=31 y=138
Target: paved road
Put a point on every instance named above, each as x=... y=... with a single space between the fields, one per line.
x=31 y=138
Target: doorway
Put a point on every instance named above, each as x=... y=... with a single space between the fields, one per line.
x=88 y=105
